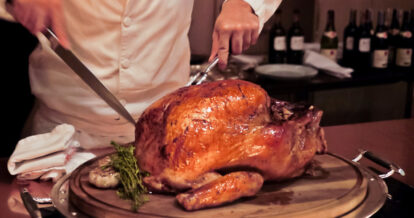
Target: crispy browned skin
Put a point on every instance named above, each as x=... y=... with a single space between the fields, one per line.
x=231 y=125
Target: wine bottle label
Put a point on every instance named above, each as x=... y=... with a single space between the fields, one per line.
x=403 y=58
x=382 y=35
x=279 y=43
x=330 y=34
x=349 y=43
x=296 y=43
x=380 y=58
x=406 y=34
x=330 y=53
x=364 y=45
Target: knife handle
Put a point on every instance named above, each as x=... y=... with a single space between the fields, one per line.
x=30 y=204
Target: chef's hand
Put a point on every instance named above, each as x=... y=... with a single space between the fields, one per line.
x=237 y=24
x=37 y=15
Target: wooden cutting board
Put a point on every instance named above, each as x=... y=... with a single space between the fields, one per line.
x=336 y=188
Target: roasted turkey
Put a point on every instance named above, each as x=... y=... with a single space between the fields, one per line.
x=216 y=142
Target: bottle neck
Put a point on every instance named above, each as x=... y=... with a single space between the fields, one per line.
x=406 y=21
x=362 y=20
x=368 y=16
x=295 y=21
x=381 y=20
x=296 y=15
x=352 y=18
x=394 y=21
x=368 y=21
x=278 y=20
x=330 y=25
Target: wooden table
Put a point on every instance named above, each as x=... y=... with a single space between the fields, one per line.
x=393 y=140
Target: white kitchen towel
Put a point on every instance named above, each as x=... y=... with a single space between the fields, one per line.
x=48 y=155
x=325 y=64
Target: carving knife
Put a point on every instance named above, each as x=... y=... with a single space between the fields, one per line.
x=87 y=76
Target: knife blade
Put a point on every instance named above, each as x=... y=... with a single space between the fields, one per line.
x=87 y=76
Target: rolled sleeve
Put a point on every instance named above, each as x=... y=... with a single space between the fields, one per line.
x=264 y=9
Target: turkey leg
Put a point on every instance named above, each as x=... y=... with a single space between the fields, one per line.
x=225 y=189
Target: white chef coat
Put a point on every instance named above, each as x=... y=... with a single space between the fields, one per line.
x=140 y=51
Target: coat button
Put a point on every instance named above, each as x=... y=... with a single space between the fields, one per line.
x=127 y=22
x=125 y=63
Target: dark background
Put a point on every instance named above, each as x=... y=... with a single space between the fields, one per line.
x=17 y=100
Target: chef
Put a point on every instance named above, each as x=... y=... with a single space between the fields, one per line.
x=139 y=49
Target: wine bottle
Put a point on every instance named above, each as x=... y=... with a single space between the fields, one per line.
x=295 y=41
x=394 y=30
x=379 y=45
x=329 y=41
x=404 y=45
x=364 y=43
x=277 y=41
x=350 y=35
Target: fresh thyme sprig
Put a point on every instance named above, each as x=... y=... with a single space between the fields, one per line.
x=131 y=177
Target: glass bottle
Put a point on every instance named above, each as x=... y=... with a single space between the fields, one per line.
x=364 y=42
x=350 y=35
x=379 y=44
x=404 y=44
x=394 y=30
x=329 y=41
x=277 y=41
x=296 y=40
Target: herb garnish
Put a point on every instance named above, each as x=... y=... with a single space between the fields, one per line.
x=131 y=177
